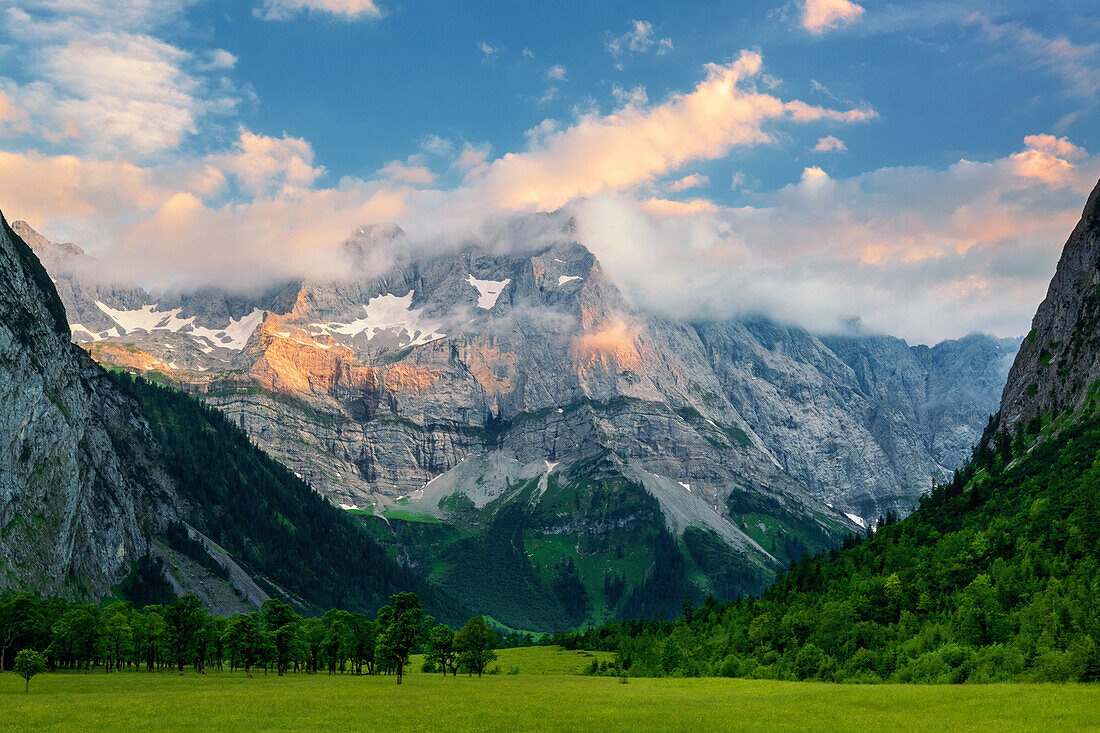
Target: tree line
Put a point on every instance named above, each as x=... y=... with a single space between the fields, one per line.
x=51 y=634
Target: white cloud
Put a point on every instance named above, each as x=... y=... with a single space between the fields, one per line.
x=1078 y=66
x=103 y=84
x=436 y=145
x=641 y=37
x=557 y=72
x=830 y=144
x=487 y=52
x=528 y=53
x=343 y=9
x=636 y=96
x=550 y=95
x=217 y=59
x=819 y=16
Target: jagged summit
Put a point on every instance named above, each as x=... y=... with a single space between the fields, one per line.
x=1059 y=361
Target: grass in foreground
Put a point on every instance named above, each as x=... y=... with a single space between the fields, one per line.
x=223 y=701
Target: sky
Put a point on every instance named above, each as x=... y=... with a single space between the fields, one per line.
x=910 y=168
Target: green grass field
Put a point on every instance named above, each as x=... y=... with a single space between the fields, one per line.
x=541 y=698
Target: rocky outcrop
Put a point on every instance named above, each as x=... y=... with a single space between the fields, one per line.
x=1058 y=366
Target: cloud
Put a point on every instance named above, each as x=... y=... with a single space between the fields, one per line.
x=487 y=52
x=636 y=96
x=922 y=253
x=637 y=144
x=1078 y=66
x=830 y=144
x=265 y=165
x=557 y=72
x=641 y=37
x=348 y=10
x=695 y=180
x=528 y=53
x=216 y=60
x=1047 y=158
x=819 y=16
x=43 y=188
x=408 y=173
x=473 y=160
x=103 y=84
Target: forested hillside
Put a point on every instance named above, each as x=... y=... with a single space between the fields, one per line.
x=287 y=536
x=995 y=577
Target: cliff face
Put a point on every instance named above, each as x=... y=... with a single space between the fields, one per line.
x=1059 y=361
x=73 y=514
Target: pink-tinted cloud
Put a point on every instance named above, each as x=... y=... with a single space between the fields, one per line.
x=265 y=165
x=922 y=253
x=830 y=144
x=637 y=144
x=819 y=16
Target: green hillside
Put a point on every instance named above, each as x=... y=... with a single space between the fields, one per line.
x=995 y=577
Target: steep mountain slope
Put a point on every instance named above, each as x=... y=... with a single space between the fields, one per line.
x=1058 y=366
x=73 y=514
x=106 y=483
x=994 y=577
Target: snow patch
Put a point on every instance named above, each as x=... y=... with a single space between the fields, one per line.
x=568 y=279
x=348 y=507
x=79 y=330
x=388 y=313
x=551 y=466
x=234 y=336
x=686 y=486
x=487 y=290
x=856 y=518
x=148 y=318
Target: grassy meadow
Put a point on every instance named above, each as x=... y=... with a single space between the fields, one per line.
x=543 y=696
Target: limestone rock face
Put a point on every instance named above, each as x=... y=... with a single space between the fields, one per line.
x=1059 y=360
x=73 y=512
x=371 y=387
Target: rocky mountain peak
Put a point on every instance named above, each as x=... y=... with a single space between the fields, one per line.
x=1058 y=365
x=43 y=248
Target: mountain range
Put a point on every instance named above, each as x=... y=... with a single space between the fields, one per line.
x=511 y=415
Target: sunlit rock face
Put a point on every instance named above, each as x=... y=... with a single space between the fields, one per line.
x=373 y=386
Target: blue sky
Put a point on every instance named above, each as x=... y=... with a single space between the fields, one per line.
x=916 y=165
